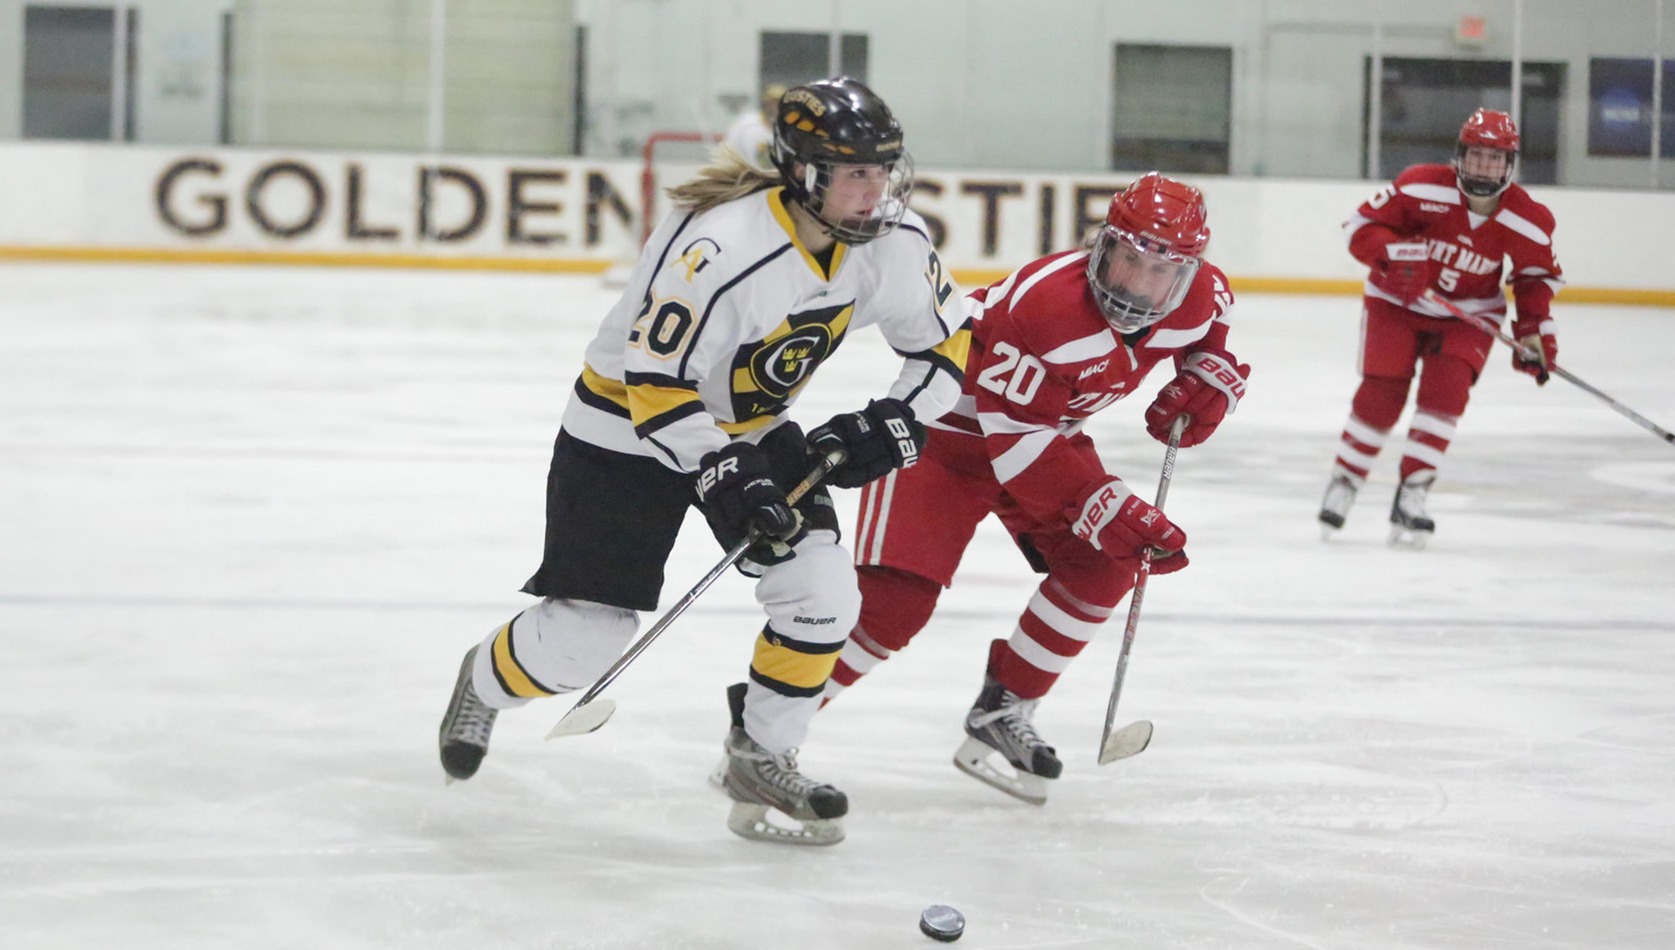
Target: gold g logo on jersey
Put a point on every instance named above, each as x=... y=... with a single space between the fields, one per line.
x=783 y=364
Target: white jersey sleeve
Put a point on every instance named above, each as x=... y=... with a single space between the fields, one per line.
x=923 y=318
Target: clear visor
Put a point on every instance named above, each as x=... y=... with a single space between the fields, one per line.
x=1137 y=282
x=856 y=203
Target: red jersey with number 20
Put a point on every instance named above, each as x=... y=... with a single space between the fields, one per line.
x=1043 y=359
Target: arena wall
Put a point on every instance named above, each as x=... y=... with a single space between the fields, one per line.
x=113 y=203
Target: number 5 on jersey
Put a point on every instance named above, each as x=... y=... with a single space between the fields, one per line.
x=1025 y=372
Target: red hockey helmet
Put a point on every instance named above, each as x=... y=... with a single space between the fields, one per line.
x=1483 y=174
x=1147 y=254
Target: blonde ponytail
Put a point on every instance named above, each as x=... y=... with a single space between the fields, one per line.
x=727 y=177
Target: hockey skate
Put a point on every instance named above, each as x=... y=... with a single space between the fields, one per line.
x=464 y=738
x=999 y=726
x=1334 y=508
x=1410 y=525
x=758 y=780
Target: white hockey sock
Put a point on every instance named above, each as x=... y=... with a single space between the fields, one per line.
x=553 y=647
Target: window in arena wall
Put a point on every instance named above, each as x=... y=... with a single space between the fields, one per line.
x=71 y=73
x=790 y=59
x=1171 y=108
x=1425 y=101
x=1620 y=108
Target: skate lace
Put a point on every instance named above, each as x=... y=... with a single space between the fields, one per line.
x=474 y=722
x=781 y=772
x=1014 y=716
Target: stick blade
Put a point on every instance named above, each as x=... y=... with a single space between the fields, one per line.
x=583 y=718
x=1131 y=739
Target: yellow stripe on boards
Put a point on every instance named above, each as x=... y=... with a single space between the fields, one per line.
x=969 y=278
x=205 y=255
x=792 y=667
x=511 y=674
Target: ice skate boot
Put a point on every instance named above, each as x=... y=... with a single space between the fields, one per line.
x=999 y=724
x=758 y=780
x=464 y=737
x=1334 y=508
x=1410 y=526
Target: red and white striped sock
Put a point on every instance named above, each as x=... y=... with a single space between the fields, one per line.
x=860 y=654
x=1052 y=631
x=1359 y=448
x=1428 y=436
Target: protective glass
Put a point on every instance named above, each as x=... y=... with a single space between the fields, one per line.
x=1137 y=282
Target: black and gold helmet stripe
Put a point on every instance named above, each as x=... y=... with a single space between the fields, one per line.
x=513 y=678
x=792 y=667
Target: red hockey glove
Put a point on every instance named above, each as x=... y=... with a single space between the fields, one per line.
x=1121 y=523
x=1406 y=270
x=1208 y=387
x=1535 y=334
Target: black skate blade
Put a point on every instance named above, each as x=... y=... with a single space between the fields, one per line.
x=583 y=718
x=1131 y=739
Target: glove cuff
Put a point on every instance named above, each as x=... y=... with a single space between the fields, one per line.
x=1407 y=251
x=1098 y=510
x=1218 y=368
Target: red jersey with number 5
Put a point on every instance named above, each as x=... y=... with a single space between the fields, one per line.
x=1043 y=359
x=1425 y=204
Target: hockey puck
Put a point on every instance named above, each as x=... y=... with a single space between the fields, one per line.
x=941 y=922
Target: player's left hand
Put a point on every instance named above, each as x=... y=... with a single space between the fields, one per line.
x=878 y=439
x=1122 y=524
x=1208 y=387
x=1535 y=335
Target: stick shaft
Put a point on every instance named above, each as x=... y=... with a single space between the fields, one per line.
x=639 y=646
x=1489 y=327
x=1139 y=593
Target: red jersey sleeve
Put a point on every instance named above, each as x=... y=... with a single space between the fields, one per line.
x=1390 y=215
x=1535 y=276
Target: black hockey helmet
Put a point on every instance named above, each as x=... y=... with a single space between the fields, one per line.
x=840 y=122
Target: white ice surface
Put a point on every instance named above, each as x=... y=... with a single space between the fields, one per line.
x=251 y=518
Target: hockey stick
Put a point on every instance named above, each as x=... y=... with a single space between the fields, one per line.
x=1133 y=738
x=588 y=715
x=1489 y=327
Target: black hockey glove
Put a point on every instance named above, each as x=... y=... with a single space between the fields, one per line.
x=736 y=493
x=880 y=438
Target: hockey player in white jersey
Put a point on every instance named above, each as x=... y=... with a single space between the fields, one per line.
x=739 y=295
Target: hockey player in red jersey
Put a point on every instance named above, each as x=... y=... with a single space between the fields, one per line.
x=1052 y=344
x=1442 y=229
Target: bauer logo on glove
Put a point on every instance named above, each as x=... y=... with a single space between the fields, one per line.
x=1207 y=389
x=878 y=440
